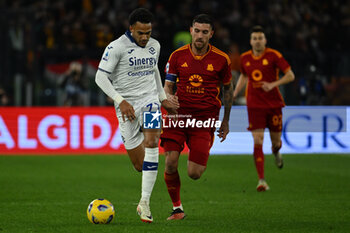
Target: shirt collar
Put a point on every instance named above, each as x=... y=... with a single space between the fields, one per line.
x=128 y=35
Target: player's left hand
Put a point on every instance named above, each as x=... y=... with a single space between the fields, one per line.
x=223 y=131
x=267 y=86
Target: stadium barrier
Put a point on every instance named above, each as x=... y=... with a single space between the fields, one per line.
x=94 y=130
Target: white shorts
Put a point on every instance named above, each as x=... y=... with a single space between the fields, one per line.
x=131 y=132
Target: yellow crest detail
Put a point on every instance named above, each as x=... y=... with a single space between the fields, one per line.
x=265 y=62
x=210 y=67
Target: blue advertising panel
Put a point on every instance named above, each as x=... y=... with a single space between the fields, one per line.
x=305 y=130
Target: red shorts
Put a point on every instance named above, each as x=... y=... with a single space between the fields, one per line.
x=261 y=118
x=199 y=142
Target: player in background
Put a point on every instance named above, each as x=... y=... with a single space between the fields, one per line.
x=128 y=73
x=197 y=69
x=260 y=71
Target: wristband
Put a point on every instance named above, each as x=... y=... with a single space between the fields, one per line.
x=118 y=98
x=162 y=96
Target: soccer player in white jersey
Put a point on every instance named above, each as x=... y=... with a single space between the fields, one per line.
x=128 y=73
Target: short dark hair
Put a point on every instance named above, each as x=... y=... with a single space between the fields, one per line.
x=203 y=18
x=257 y=28
x=141 y=15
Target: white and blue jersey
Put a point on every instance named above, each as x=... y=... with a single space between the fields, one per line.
x=131 y=68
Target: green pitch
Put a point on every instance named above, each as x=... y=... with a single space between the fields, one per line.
x=51 y=194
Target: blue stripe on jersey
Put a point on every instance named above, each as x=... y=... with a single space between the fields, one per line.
x=170 y=77
x=149 y=166
x=104 y=70
x=128 y=35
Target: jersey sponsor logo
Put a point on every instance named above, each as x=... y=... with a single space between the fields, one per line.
x=247 y=63
x=152 y=50
x=265 y=62
x=184 y=65
x=145 y=62
x=196 y=80
x=257 y=75
x=131 y=50
x=210 y=67
x=195 y=90
x=140 y=73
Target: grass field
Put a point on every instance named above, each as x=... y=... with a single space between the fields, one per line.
x=51 y=194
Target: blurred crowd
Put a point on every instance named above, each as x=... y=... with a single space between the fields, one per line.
x=312 y=35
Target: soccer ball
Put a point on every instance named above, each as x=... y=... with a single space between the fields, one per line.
x=100 y=211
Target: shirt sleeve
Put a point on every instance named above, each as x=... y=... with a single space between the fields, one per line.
x=226 y=73
x=241 y=66
x=282 y=64
x=171 y=69
x=106 y=86
x=110 y=59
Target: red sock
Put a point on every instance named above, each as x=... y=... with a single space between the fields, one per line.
x=276 y=149
x=173 y=184
x=259 y=160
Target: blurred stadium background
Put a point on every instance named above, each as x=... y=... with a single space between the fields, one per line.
x=40 y=39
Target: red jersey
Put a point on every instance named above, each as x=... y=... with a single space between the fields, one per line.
x=263 y=68
x=198 y=80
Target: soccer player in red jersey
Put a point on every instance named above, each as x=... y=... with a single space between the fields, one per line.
x=260 y=69
x=198 y=69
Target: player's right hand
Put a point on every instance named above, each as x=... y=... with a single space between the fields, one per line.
x=234 y=98
x=174 y=100
x=170 y=107
x=127 y=111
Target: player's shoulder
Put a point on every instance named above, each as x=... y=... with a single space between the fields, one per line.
x=117 y=43
x=180 y=51
x=220 y=53
x=153 y=43
x=273 y=52
x=246 y=54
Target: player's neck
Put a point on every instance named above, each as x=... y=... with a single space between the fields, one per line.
x=199 y=52
x=258 y=53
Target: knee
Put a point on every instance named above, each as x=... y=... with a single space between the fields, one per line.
x=195 y=170
x=258 y=139
x=171 y=166
x=151 y=142
x=195 y=175
x=276 y=143
x=171 y=162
